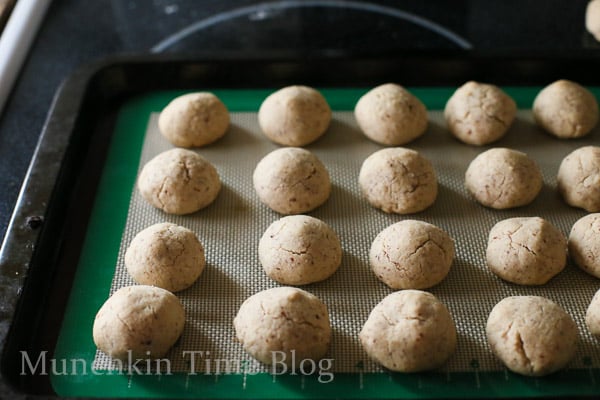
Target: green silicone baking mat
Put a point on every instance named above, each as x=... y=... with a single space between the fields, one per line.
x=231 y=227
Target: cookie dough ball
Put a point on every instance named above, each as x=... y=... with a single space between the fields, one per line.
x=294 y=116
x=143 y=321
x=503 y=178
x=398 y=180
x=291 y=181
x=566 y=110
x=578 y=179
x=526 y=251
x=411 y=254
x=409 y=331
x=592 y=18
x=531 y=335
x=390 y=115
x=479 y=113
x=584 y=244
x=298 y=249
x=179 y=181
x=273 y=323
x=165 y=255
x=592 y=316
x=194 y=120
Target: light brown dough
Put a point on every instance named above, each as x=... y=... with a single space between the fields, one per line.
x=391 y=115
x=291 y=180
x=566 y=109
x=283 y=319
x=179 y=181
x=298 y=249
x=411 y=254
x=165 y=255
x=584 y=244
x=526 y=251
x=578 y=178
x=409 y=331
x=479 y=113
x=592 y=315
x=139 y=322
x=194 y=120
x=531 y=335
x=398 y=180
x=294 y=116
x=503 y=178
x=592 y=18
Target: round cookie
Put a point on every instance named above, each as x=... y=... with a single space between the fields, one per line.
x=409 y=331
x=291 y=180
x=298 y=249
x=578 y=178
x=584 y=244
x=411 y=254
x=398 y=180
x=165 y=255
x=194 y=120
x=294 y=116
x=138 y=322
x=179 y=181
x=526 y=251
x=273 y=323
x=531 y=335
x=390 y=115
x=479 y=113
x=566 y=109
x=592 y=18
x=592 y=315
x=503 y=178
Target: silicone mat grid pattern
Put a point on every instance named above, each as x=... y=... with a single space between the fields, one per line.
x=231 y=227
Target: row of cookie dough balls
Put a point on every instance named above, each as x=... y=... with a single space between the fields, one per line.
x=477 y=114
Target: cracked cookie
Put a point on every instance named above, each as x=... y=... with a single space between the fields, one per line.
x=298 y=249
x=592 y=315
x=179 y=181
x=584 y=244
x=578 y=178
x=409 y=331
x=566 y=109
x=398 y=180
x=531 y=335
x=194 y=120
x=390 y=115
x=294 y=116
x=283 y=324
x=291 y=180
x=503 y=178
x=138 y=322
x=526 y=251
x=165 y=255
x=479 y=113
x=411 y=254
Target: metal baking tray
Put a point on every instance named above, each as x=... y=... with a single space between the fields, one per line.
x=40 y=254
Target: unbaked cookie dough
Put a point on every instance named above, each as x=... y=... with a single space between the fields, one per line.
x=409 y=331
x=584 y=244
x=138 y=322
x=294 y=116
x=291 y=180
x=299 y=249
x=479 y=113
x=566 y=109
x=526 y=250
x=411 y=254
x=503 y=178
x=273 y=323
x=179 y=181
x=398 y=180
x=592 y=315
x=592 y=18
x=531 y=335
x=194 y=120
x=165 y=255
x=578 y=178
x=391 y=115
